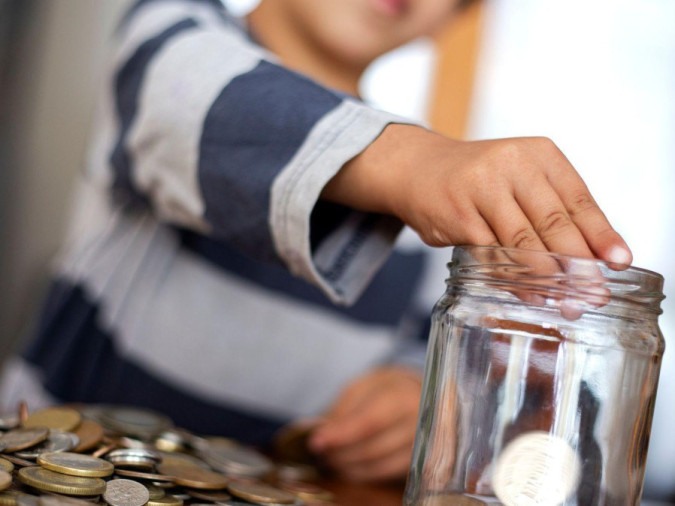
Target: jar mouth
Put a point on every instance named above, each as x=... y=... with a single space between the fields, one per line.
x=539 y=276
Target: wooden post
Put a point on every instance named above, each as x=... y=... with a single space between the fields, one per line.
x=458 y=48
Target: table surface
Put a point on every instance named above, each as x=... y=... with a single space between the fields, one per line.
x=347 y=494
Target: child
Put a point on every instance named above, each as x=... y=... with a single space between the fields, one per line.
x=235 y=183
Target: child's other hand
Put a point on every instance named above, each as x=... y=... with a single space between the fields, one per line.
x=368 y=434
x=519 y=192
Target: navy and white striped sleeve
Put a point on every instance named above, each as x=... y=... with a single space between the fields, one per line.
x=220 y=138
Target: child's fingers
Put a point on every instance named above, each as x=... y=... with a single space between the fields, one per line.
x=548 y=215
x=601 y=237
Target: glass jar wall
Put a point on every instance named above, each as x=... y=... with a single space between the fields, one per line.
x=540 y=382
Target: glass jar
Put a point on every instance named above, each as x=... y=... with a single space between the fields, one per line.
x=540 y=382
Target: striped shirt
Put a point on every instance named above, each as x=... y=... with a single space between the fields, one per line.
x=203 y=277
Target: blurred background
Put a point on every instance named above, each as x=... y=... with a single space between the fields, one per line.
x=597 y=76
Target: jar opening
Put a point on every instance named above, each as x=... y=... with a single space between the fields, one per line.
x=545 y=278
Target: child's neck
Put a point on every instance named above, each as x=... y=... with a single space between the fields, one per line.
x=273 y=31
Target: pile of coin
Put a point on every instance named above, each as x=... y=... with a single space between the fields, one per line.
x=127 y=456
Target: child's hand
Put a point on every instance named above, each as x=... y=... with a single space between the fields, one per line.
x=519 y=192
x=368 y=434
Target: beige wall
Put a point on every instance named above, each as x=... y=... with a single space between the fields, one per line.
x=55 y=68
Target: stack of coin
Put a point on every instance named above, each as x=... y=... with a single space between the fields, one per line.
x=126 y=456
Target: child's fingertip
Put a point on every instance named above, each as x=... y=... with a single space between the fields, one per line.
x=620 y=255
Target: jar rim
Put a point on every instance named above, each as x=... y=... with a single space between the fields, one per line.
x=544 y=274
x=589 y=261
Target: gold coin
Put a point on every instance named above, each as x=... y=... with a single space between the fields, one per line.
x=76 y=464
x=5 y=480
x=6 y=465
x=50 y=481
x=20 y=439
x=65 y=419
x=154 y=491
x=194 y=477
x=260 y=493
x=167 y=500
x=173 y=440
x=90 y=434
x=184 y=459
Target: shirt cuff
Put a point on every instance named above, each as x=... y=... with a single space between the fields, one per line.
x=349 y=256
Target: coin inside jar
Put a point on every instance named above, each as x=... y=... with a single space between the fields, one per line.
x=538 y=468
x=76 y=464
x=121 y=492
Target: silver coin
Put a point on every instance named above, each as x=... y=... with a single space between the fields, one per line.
x=57 y=441
x=125 y=493
x=134 y=421
x=538 y=468
x=134 y=457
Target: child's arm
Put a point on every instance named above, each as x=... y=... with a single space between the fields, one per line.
x=519 y=192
